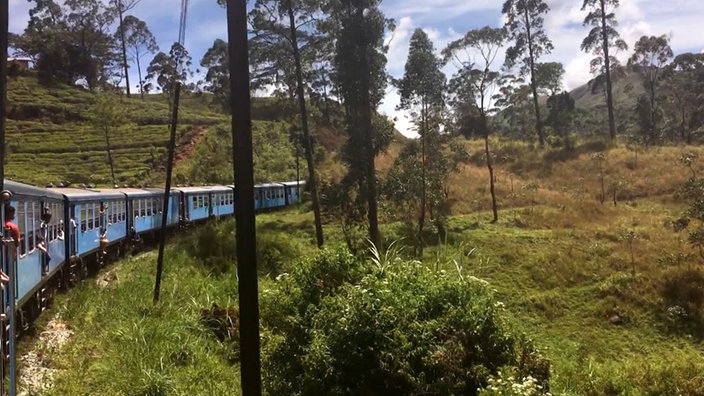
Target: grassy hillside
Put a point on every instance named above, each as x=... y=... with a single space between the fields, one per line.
x=626 y=89
x=608 y=291
x=50 y=137
x=612 y=316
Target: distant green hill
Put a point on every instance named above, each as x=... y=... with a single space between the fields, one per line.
x=626 y=90
x=50 y=137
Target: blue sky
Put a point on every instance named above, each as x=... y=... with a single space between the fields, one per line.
x=444 y=21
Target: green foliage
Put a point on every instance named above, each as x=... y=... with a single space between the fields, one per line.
x=166 y=70
x=70 y=42
x=276 y=252
x=216 y=61
x=402 y=328
x=214 y=246
x=683 y=295
x=524 y=23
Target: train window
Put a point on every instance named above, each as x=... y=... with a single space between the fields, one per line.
x=20 y=221
x=135 y=208
x=148 y=208
x=31 y=225
x=84 y=218
x=89 y=214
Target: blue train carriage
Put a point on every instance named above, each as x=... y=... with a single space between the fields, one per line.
x=271 y=195
x=199 y=203
x=89 y=213
x=41 y=251
x=257 y=195
x=293 y=191
x=174 y=202
x=143 y=210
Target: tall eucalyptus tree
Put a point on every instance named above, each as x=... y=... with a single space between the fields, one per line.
x=524 y=23
x=139 y=42
x=121 y=7
x=360 y=76
x=289 y=25
x=601 y=39
x=474 y=56
x=421 y=90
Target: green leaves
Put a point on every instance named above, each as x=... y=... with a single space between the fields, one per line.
x=404 y=330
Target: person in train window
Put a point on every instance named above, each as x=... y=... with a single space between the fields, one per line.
x=43 y=240
x=60 y=232
x=103 y=240
x=11 y=231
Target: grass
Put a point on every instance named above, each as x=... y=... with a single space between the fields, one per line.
x=125 y=344
x=560 y=284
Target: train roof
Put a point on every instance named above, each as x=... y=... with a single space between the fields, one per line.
x=129 y=191
x=22 y=189
x=294 y=183
x=158 y=190
x=268 y=185
x=87 y=194
x=203 y=189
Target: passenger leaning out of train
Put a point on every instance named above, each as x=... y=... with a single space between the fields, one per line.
x=11 y=231
x=44 y=234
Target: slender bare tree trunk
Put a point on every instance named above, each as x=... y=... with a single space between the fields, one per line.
x=607 y=67
x=124 y=49
x=306 y=132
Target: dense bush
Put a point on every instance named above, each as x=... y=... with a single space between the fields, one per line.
x=683 y=295
x=336 y=326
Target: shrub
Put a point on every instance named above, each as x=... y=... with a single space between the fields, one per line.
x=214 y=246
x=683 y=295
x=339 y=328
x=276 y=251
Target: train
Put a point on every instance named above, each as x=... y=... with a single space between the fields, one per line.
x=65 y=231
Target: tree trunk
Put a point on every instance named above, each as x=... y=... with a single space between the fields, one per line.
x=365 y=124
x=652 y=110
x=423 y=199
x=124 y=48
x=107 y=144
x=306 y=132
x=607 y=70
x=494 y=209
x=139 y=73
x=533 y=83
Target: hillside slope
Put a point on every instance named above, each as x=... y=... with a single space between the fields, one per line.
x=50 y=136
x=626 y=89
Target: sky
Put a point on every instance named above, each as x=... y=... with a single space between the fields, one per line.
x=444 y=21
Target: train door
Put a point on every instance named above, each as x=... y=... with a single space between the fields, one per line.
x=72 y=227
